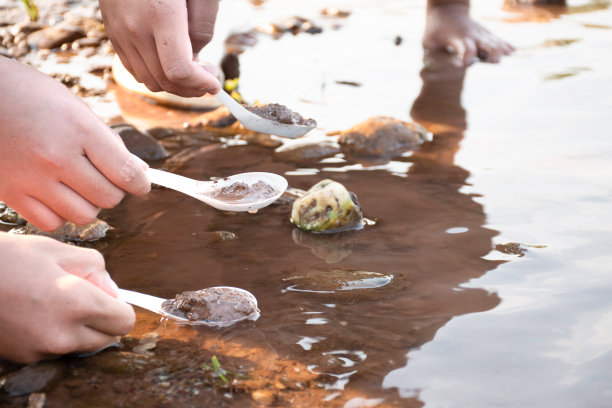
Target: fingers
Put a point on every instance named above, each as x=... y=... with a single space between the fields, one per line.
x=67 y=203
x=84 y=178
x=89 y=265
x=176 y=57
x=202 y=15
x=110 y=156
x=112 y=317
x=37 y=213
x=140 y=69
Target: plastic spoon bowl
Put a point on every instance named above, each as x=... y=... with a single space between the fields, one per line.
x=154 y=304
x=258 y=124
x=206 y=191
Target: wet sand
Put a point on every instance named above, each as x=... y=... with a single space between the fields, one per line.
x=520 y=155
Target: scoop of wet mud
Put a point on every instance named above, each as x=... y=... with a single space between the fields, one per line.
x=281 y=114
x=241 y=192
x=211 y=304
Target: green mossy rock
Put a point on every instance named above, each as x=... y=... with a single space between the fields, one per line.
x=327 y=207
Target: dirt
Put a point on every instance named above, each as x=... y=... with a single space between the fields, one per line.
x=281 y=114
x=243 y=192
x=211 y=304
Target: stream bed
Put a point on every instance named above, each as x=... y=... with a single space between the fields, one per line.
x=482 y=277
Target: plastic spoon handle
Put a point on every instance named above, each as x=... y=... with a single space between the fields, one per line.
x=148 y=302
x=176 y=182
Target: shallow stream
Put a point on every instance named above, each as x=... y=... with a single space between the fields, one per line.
x=484 y=278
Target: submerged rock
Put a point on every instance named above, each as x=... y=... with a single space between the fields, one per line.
x=338 y=280
x=382 y=136
x=93 y=231
x=55 y=36
x=327 y=207
x=10 y=216
x=142 y=145
x=33 y=378
x=309 y=151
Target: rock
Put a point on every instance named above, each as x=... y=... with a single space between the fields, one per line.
x=220 y=117
x=55 y=37
x=93 y=231
x=33 y=378
x=121 y=363
x=26 y=26
x=263 y=397
x=221 y=236
x=140 y=144
x=382 y=136
x=289 y=196
x=261 y=139
x=327 y=207
x=300 y=152
x=10 y=216
x=338 y=280
x=37 y=400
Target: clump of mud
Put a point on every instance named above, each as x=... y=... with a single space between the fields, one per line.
x=211 y=304
x=241 y=191
x=281 y=114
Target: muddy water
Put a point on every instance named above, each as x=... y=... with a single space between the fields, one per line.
x=493 y=238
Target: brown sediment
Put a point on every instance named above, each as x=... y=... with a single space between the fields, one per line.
x=211 y=304
x=240 y=192
x=281 y=114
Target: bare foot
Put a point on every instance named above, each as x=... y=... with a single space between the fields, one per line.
x=449 y=26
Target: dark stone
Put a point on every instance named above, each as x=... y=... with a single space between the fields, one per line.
x=141 y=144
x=34 y=378
x=54 y=37
x=301 y=152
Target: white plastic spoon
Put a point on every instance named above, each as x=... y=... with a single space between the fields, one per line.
x=208 y=191
x=154 y=304
x=256 y=123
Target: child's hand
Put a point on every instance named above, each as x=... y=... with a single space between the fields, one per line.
x=449 y=26
x=58 y=160
x=157 y=41
x=56 y=299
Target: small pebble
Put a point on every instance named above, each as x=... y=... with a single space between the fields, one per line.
x=263 y=397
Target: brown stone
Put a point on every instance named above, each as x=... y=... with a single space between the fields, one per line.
x=55 y=37
x=263 y=397
x=382 y=136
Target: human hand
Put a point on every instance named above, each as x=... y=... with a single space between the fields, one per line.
x=58 y=160
x=158 y=41
x=449 y=26
x=56 y=299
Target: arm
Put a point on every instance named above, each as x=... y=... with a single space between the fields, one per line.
x=158 y=41
x=56 y=299
x=58 y=160
x=449 y=26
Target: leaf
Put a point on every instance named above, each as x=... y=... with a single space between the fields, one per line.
x=32 y=9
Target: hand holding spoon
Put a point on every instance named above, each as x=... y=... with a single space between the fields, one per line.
x=241 y=192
